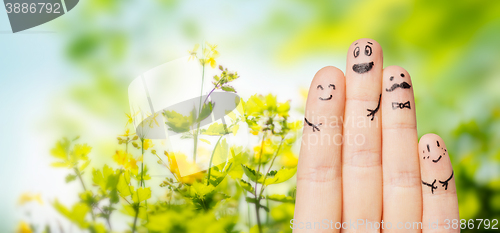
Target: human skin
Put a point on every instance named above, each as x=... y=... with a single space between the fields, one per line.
x=369 y=165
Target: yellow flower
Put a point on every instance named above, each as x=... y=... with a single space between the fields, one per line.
x=131 y=165
x=23 y=227
x=210 y=55
x=212 y=62
x=153 y=120
x=289 y=159
x=120 y=157
x=28 y=197
x=193 y=52
x=127 y=133
x=177 y=160
x=130 y=117
x=267 y=151
x=212 y=47
x=82 y=150
x=148 y=143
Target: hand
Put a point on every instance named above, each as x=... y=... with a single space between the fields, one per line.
x=360 y=161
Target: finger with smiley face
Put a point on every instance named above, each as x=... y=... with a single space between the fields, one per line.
x=361 y=161
x=319 y=195
x=401 y=169
x=439 y=195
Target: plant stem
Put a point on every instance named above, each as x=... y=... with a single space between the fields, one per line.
x=77 y=172
x=216 y=85
x=199 y=111
x=249 y=222
x=135 y=218
x=143 y=183
x=257 y=208
x=257 y=198
x=211 y=157
x=269 y=169
x=142 y=163
x=79 y=175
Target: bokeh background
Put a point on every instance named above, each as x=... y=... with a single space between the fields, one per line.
x=70 y=76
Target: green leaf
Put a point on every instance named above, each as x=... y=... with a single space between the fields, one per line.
x=98 y=179
x=202 y=189
x=123 y=188
x=247 y=186
x=141 y=195
x=228 y=88
x=107 y=179
x=70 y=177
x=88 y=198
x=280 y=176
x=178 y=122
x=251 y=200
x=83 y=166
x=281 y=198
x=98 y=228
x=221 y=153
x=232 y=76
x=216 y=129
x=235 y=129
x=205 y=141
x=60 y=150
x=76 y=214
x=206 y=110
x=251 y=174
x=61 y=164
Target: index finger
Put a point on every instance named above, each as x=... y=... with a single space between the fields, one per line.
x=319 y=188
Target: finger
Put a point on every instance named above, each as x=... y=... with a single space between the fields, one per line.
x=439 y=194
x=361 y=153
x=319 y=188
x=401 y=170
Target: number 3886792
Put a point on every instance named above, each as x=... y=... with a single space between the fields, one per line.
x=33 y=8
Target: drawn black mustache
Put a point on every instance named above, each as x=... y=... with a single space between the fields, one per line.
x=362 y=67
x=403 y=85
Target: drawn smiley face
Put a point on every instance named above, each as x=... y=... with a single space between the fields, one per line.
x=361 y=68
x=402 y=85
x=320 y=87
x=435 y=159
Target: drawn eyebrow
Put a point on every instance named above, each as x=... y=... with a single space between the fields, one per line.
x=437 y=143
x=356 y=43
x=369 y=42
x=428 y=149
x=319 y=86
x=331 y=85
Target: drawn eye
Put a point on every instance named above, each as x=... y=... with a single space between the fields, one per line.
x=356 y=52
x=331 y=85
x=392 y=78
x=320 y=87
x=368 y=50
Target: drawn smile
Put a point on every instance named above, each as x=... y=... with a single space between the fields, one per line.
x=437 y=160
x=362 y=67
x=329 y=98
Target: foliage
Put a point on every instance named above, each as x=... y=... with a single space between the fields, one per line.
x=451 y=52
x=202 y=201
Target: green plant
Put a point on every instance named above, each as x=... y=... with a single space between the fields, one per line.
x=203 y=201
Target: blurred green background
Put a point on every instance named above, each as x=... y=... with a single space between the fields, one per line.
x=70 y=76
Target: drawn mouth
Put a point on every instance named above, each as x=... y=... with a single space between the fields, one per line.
x=403 y=85
x=329 y=98
x=437 y=160
x=362 y=67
